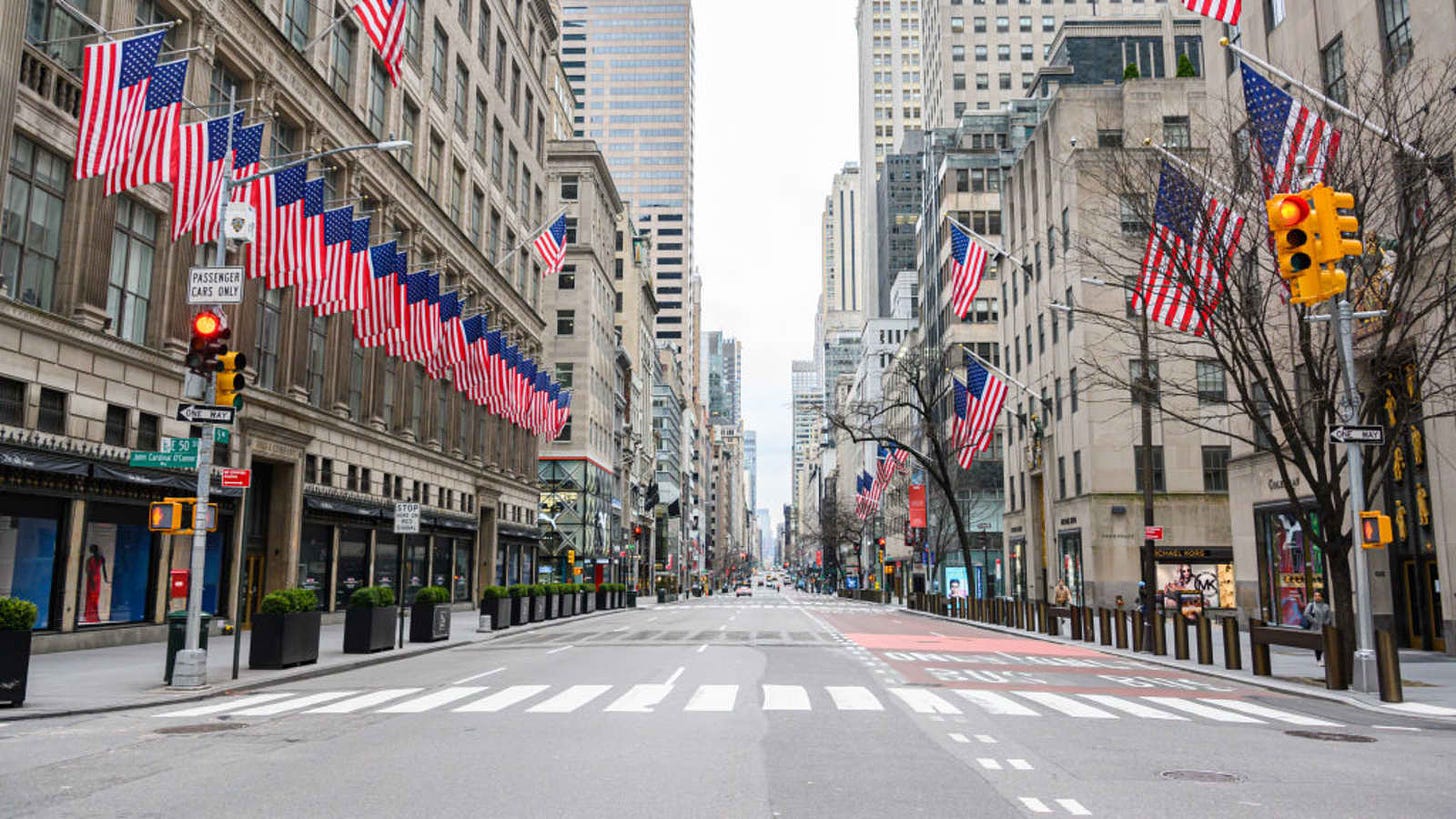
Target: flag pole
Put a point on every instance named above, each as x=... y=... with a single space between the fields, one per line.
x=1338 y=108
x=102 y=32
x=997 y=370
x=998 y=248
x=531 y=237
x=330 y=27
x=1214 y=183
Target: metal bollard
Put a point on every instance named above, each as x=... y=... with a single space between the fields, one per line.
x=1076 y=618
x=1160 y=634
x=1337 y=676
x=1258 y=649
x=1089 y=625
x=1205 y=641
x=1387 y=666
x=1137 y=631
x=1180 y=636
x=1104 y=626
x=1120 y=618
x=1233 y=650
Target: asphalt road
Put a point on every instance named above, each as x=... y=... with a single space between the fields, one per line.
x=777 y=705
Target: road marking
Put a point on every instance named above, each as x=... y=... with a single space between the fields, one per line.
x=623 y=628
x=639 y=699
x=702 y=648
x=432 y=700
x=1273 y=713
x=230 y=704
x=569 y=700
x=1134 y=708
x=1035 y=805
x=785 y=698
x=676 y=674
x=292 y=705
x=958 y=737
x=478 y=676
x=650 y=619
x=924 y=702
x=504 y=698
x=1074 y=807
x=936 y=634
x=995 y=703
x=713 y=698
x=985 y=739
x=723 y=627
x=1200 y=710
x=1066 y=705
x=989 y=764
x=555 y=650
x=363 y=701
x=1381 y=727
x=853 y=698
x=1019 y=764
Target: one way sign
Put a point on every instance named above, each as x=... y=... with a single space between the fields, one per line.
x=205 y=413
x=1350 y=433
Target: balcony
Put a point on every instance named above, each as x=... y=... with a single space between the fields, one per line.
x=50 y=81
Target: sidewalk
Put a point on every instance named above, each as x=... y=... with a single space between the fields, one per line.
x=1428 y=678
x=124 y=677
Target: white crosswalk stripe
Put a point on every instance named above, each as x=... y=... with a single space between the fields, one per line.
x=363 y=701
x=569 y=700
x=228 y=704
x=994 y=703
x=853 y=698
x=1273 y=713
x=502 y=699
x=785 y=698
x=640 y=699
x=1074 y=807
x=924 y=702
x=1198 y=709
x=272 y=708
x=1134 y=708
x=713 y=698
x=1065 y=705
x=434 y=699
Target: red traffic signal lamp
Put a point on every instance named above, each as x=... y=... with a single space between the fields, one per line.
x=209 y=340
x=636 y=530
x=1292 y=222
x=1374 y=530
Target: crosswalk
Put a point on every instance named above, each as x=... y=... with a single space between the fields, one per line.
x=647 y=698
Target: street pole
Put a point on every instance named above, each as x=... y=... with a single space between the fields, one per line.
x=1145 y=389
x=1365 y=674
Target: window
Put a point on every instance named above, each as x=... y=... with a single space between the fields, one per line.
x=565 y=375
x=462 y=96
x=497 y=150
x=1048 y=23
x=433 y=170
x=1057 y=393
x=378 y=99
x=413 y=32
x=1175 y=132
x=983 y=82
x=569 y=188
x=1395 y=28
x=980 y=53
x=1061 y=477
x=457 y=196
x=30 y=231
x=958 y=82
x=1109 y=139
x=958 y=54
x=463 y=13
x=1273 y=13
x=116 y=421
x=341 y=66
x=410 y=126
x=1072 y=389
x=355 y=393
x=1211 y=386
x=957 y=24
x=500 y=62
x=1023 y=23
x=565 y=322
x=297 y=27
x=440 y=67
x=52 y=417
x=1130 y=215
x=12 y=402
x=477 y=214
x=129 y=287
x=270 y=309
x=566 y=279
x=569 y=238
x=1332 y=70
x=1003 y=52
x=318 y=332
x=149 y=435
x=1003 y=81
x=390 y=388
x=1215 y=469
x=1077 y=472
x=1135 y=379
x=1003 y=24
x=482 y=135
x=1159 y=484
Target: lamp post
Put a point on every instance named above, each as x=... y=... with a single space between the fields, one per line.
x=190 y=670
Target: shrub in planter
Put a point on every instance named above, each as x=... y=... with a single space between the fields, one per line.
x=369 y=622
x=588 y=597
x=17 y=618
x=604 y=596
x=285 y=630
x=568 y=596
x=520 y=595
x=496 y=601
x=553 y=600
x=538 y=602
x=430 y=615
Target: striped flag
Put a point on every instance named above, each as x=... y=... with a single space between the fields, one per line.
x=306 y=246
x=114 y=82
x=563 y=414
x=1285 y=131
x=551 y=245
x=967 y=265
x=495 y=371
x=280 y=203
x=985 y=395
x=1190 y=247
x=148 y=159
x=332 y=281
x=197 y=172
x=468 y=378
x=960 y=430
x=450 y=355
x=383 y=21
x=380 y=312
x=1224 y=11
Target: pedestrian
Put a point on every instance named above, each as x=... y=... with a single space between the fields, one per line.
x=1317 y=615
x=1062 y=595
x=1142 y=599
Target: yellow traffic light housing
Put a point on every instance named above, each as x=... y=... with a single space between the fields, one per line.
x=166 y=516
x=570 y=555
x=1292 y=223
x=230 y=380
x=1374 y=530
x=1332 y=246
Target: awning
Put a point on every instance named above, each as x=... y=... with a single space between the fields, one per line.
x=448 y=522
x=513 y=530
x=42 y=461
x=337 y=506
x=144 y=477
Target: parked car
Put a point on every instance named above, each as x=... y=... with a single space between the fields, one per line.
x=743 y=590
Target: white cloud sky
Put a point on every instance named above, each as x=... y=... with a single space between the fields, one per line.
x=776 y=117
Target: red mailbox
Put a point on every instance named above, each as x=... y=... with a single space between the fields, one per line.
x=179 y=583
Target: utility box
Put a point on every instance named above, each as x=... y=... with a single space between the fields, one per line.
x=178 y=583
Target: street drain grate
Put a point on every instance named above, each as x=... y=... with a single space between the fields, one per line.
x=1330 y=736
x=201 y=728
x=1201 y=776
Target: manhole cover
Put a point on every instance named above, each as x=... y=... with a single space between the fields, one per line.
x=201 y=728
x=1201 y=776
x=1330 y=736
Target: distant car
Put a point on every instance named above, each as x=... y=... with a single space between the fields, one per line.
x=743 y=590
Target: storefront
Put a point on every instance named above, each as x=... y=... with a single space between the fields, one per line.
x=516 y=556
x=1291 y=566
x=1069 y=564
x=1194 y=580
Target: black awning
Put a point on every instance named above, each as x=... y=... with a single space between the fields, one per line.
x=143 y=477
x=42 y=461
x=337 y=506
x=448 y=522
x=517 y=531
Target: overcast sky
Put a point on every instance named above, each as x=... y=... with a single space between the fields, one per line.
x=776 y=115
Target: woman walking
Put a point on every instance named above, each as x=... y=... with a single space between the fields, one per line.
x=1317 y=615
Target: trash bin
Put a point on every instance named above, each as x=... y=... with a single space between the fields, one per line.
x=662 y=595
x=177 y=638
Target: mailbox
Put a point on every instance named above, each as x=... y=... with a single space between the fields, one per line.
x=178 y=583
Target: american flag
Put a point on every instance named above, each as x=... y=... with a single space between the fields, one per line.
x=960 y=429
x=197 y=172
x=468 y=378
x=450 y=355
x=539 y=396
x=551 y=245
x=276 y=225
x=1189 y=250
x=859 y=496
x=985 y=395
x=563 y=414
x=525 y=384
x=1224 y=11
x=247 y=145
x=114 y=80
x=348 y=288
x=384 y=23
x=149 y=157
x=967 y=265
x=381 y=312
x=495 y=372
x=1285 y=131
x=332 y=283
x=306 y=245
x=422 y=332
x=888 y=461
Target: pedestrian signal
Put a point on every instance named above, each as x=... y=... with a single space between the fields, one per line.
x=165 y=516
x=1374 y=530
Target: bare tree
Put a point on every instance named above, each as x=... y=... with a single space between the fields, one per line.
x=835 y=526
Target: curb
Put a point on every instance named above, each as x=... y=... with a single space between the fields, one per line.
x=306 y=673
x=1208 y=670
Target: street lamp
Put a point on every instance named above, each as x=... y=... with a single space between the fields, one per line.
x=1145 y=386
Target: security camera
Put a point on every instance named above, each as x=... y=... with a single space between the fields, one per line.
x=1074 y=142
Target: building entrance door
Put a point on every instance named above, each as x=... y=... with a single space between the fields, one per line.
x=253 y=583
x=1421 y=604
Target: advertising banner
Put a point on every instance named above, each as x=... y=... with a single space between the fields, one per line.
x=917 y=506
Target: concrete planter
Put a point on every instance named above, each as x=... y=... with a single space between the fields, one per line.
x=429 y=622
x=14 y=665
x=520 y=611
x=499 y=610
x=367 y=630
x=284 y=640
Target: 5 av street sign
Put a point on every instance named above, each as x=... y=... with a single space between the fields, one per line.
x=1351 y=433
x=205 y=414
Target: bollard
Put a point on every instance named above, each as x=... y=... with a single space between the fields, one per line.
x=1337 y=677
x=1137 y=631
x=1089 y=625
x=1076 y=618
x=1233 y=650
x=1022 y=610
x=1258 y=649
x=1180 y=636
x=1160 y=634
x=1104 y=626
x=1205 y=641
x=1119 y=617
x=1387 y=666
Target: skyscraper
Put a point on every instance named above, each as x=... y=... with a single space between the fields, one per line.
x=843 y=265
x=723 y=369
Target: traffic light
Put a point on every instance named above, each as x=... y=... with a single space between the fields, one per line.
x=1292 y=222
x=1332 y=246
x=636 y=530
x=1374 y=530
x=1298 y=222
x=209 y=334
x=230 y=380
x=570 y=555
x=165 y=516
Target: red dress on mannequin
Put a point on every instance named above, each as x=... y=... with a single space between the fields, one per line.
x=94 y=566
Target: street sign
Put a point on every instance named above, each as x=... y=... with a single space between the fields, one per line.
x=180 y=446
x=205 y=414
x=1152 y=533
x=222 y=435
x=163 y=460
x=406 y=518
x=237 y=478
x=1359 y=434
x=215 y=285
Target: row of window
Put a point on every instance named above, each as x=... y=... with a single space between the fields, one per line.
x=1027 y=51
x=1003 y=24
x=321 y=471
x=1214 y=465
